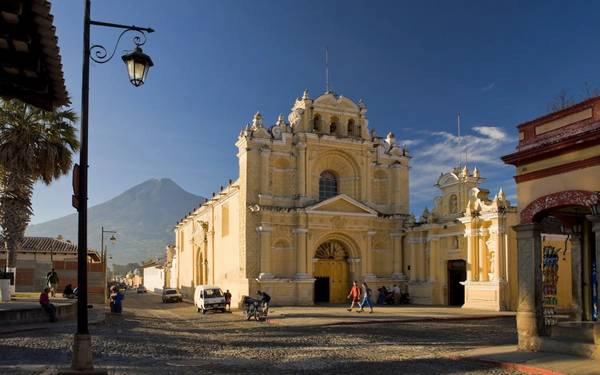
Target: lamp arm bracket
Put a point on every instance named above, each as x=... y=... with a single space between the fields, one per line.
x=99 y=53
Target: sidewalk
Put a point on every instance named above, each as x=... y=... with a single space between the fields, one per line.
x=325 y=315
x=532 y=362
x=96 y=315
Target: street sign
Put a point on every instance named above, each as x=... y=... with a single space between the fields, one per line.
x=75 y=183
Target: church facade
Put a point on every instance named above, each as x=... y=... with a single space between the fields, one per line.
x=320 y=201
x=462 y=253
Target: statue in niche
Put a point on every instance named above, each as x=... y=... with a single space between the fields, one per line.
x=453 y=204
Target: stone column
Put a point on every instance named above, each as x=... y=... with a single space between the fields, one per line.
x=265 y=155
x=483 y=256
x=301 y=177
x=396 y=196
x=413 y=260
x=576 y=273
x=433 y=246
x=498 y=240
x=301 y=253
x=397 y=272
x=530 y=317
x=595 y=219
x=369 y=275
x=265 y=252
x=470 y=253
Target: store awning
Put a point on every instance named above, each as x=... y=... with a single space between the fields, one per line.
x=30 y=65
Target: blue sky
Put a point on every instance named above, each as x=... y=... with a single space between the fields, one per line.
x=415 y=64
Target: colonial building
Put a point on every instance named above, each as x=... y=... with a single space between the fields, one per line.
x=462 y=252
x=557 y=163
x=320 y=201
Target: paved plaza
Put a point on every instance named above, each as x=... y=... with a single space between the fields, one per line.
x=173 y=338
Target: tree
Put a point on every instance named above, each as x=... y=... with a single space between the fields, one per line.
x=35 y=145
x=562 y=100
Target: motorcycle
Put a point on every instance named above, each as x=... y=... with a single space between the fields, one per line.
x=254 y=310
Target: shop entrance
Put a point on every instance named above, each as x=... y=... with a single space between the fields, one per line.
x=331 y=273
x=457 y=272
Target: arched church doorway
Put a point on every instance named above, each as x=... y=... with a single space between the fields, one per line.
x=331 y=272
x=457 y=272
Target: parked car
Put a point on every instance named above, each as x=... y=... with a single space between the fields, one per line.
x=208 y=297
x=171 y=295
x=141 y=289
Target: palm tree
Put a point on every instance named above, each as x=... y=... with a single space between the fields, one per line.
x=34 y=145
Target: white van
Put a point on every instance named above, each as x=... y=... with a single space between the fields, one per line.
x=208 y=297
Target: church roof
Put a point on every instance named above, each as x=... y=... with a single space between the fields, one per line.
x=334 y=101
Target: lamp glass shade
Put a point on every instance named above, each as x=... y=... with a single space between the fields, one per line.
x=138 y=64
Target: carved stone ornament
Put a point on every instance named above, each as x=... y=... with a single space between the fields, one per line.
x=334 y=250
x=338 y=222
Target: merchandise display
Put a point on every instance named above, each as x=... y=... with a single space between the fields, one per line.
x=550 y=282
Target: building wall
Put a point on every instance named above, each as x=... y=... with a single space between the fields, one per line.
x=581 y=179
x=154 y=278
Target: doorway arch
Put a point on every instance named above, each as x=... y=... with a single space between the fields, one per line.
x=331 y=272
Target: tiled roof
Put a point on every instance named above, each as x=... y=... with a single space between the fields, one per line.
x=30 y=63
x=47 y=245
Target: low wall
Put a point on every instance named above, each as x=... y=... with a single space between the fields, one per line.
x=33 y=314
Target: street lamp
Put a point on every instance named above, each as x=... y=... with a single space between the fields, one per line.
x=104 y=250
x=139 y=63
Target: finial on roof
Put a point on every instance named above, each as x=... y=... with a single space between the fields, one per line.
x=305 y=96
x=391 y=138
x=501 y=195
x=475 y=172
x=257 y=120
x=280 y=120
x=464 y=172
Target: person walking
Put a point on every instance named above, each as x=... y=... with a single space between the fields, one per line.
x=227 y=296
x=366 y=299
x=354 y=295
x=52 y=281
x=49 y=308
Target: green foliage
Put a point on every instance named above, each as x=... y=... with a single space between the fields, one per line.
x=34 y=145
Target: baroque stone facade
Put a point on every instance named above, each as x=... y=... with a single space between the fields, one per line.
x=462 y=252
x=320 y=201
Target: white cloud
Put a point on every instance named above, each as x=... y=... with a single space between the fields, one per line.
x=408 y=142
x=439 y=152
x=488 y=87
x=491 y=132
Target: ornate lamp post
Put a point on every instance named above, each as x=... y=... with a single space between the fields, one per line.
x=113 y=239
x=138 y=65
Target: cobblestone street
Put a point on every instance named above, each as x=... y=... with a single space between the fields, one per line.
x=174 y=338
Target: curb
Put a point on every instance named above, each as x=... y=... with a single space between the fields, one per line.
x=509 y=365
x=417 y=320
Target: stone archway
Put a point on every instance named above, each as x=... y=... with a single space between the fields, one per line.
x=331 y=272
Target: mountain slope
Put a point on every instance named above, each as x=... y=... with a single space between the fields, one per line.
x=143 y=216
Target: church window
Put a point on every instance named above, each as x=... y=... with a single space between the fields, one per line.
x=316 y=123
x=225 y=220
x=333 y=125
x=350 y=127
x=453 y=204
x=327 y=185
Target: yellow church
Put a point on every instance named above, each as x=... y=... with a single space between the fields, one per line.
x=321 y=200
